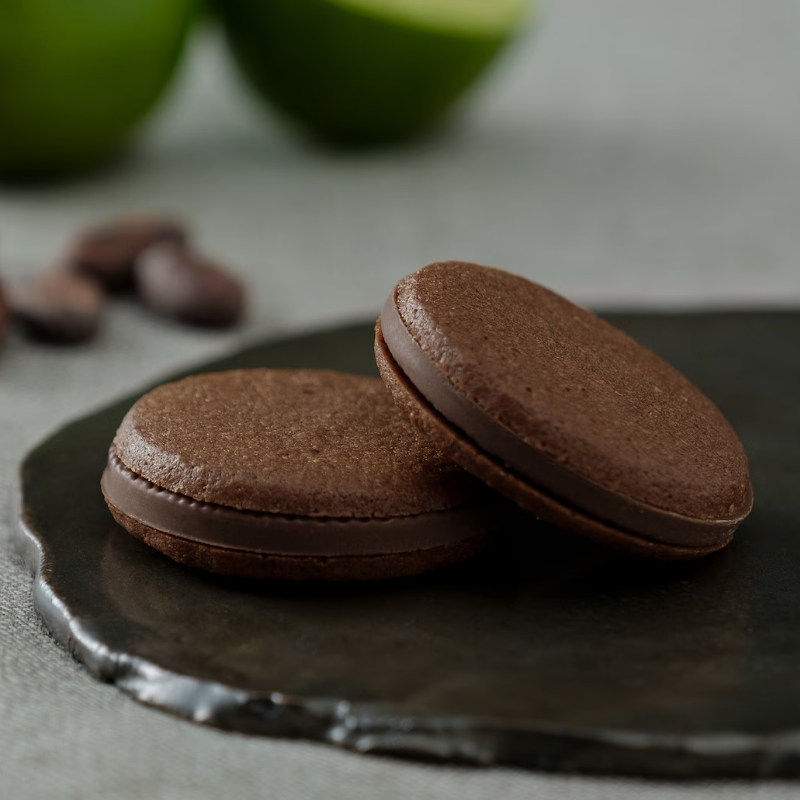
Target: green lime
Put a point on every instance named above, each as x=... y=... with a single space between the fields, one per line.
x=76 y=76
x=363 y=71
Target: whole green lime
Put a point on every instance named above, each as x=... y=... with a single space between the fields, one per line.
x=76 y=76
x=366 y=71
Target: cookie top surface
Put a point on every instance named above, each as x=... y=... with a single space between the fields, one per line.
x=576 y=389
x=298 y=442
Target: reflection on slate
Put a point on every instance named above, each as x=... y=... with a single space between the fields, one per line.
x=553 y=654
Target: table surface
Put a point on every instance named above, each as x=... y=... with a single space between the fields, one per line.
x=631 y=152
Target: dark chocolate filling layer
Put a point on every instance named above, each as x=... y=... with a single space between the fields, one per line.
x=491 y=436
x=280 y=534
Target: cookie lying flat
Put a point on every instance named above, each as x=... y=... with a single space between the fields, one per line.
x=300 y=475
x=561 y=412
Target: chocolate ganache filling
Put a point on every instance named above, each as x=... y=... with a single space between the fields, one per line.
x=259 y=532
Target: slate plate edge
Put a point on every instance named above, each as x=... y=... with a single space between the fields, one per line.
x=372 y=729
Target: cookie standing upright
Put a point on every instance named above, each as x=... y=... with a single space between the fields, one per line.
x=294 y=474
x=563 y=413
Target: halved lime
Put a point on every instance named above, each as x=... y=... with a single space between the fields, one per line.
x=361 y=71
x=76 y=76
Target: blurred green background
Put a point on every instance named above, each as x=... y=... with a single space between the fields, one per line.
x=78 y=76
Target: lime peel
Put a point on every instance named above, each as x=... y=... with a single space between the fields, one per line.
x=477 y=17
x=366 y=72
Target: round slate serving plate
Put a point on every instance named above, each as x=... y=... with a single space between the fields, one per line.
x=552 y=654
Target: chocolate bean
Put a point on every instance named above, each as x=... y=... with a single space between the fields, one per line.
x=107 y=253
x=179 y=283
x=57 y=307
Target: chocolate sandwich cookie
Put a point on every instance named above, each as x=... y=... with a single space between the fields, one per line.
x=561 y=412
x=299 y=475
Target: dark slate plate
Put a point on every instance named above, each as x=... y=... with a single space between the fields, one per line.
x=554 y=654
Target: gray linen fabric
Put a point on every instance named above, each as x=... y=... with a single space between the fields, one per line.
x=629 y=151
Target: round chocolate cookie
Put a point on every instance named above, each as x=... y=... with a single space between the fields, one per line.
x=563 y=413
x=300 y=475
